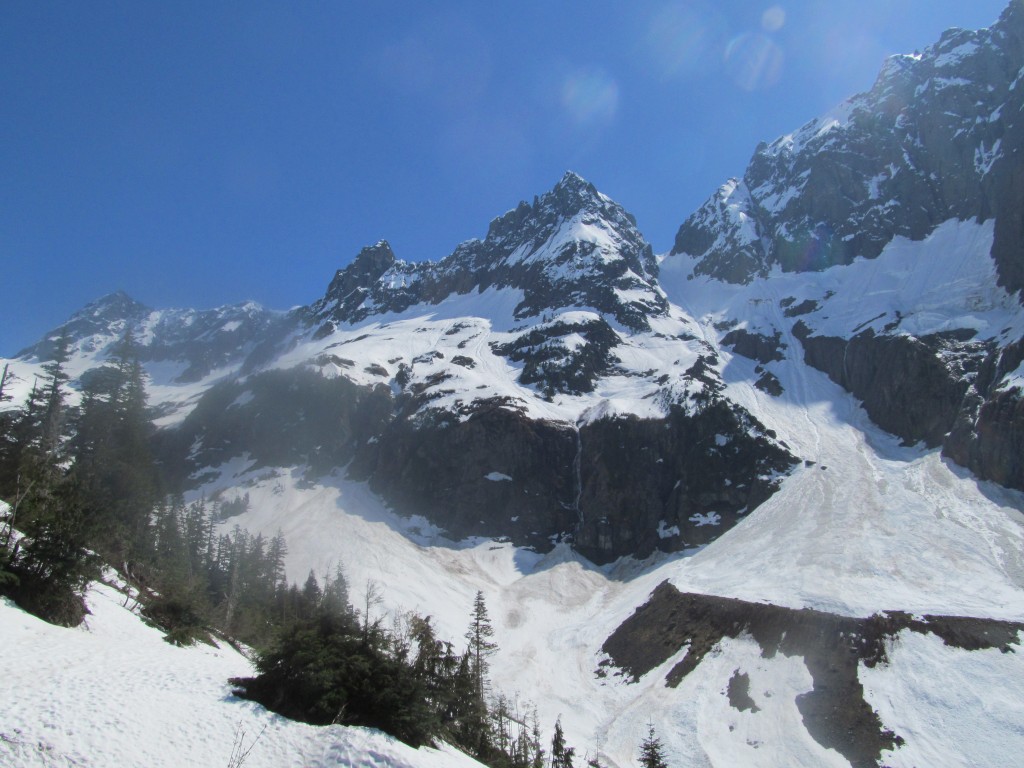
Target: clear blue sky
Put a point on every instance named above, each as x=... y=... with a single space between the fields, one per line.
x=204 y=153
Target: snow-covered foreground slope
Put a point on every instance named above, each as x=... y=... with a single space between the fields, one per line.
x=113 y=693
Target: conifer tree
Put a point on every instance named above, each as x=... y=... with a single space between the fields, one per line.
x=561 y=754
x=652 y=753
x=111 y=456
x=481 y=647
x=476 y=723
x=539 y=756
x=5 y=379
x=50 y=565
x=55 y=411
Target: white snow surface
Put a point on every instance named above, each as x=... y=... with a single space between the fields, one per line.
x=927 y=683
x=113 y=693
x=946 y=281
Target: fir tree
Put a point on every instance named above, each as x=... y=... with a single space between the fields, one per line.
x=652 y=753
x=111 y=456
x=48 y=569
x=538 y=760
x=481 y=647
x=561 y=754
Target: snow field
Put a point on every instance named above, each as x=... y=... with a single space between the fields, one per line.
x=955 y=708
x=113 y=693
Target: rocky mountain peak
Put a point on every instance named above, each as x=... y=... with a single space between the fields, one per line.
x=110 y=314
x=349 y=286
x=572 y=197
x=924 y=145
x=570 y=247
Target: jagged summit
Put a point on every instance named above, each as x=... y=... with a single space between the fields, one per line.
x=572 y=247
x=570 y=196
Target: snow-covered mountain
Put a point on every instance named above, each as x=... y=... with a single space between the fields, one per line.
x=911 y=187
x=807 y=413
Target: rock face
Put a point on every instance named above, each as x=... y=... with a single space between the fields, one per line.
x=907 y=385
x=672 y=484
x=756 y=346
x=613 y=487
x=494 y=473
x=988 y=436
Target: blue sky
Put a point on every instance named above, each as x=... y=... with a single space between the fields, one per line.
x=204 y=153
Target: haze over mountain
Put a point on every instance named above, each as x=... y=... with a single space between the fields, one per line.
x=766 y=489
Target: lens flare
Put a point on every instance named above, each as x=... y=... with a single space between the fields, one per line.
x=753 y=61
x=590 y=96
x=773 y=19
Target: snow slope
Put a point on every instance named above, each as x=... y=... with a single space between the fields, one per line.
x=113 y=693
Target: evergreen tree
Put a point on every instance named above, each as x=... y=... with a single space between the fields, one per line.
x=55 y=410
x=652 y=753
x=475 y=720
x=538 y=760
x=111 y=456
x=561 y=754
x=481 y=647
x=7 y=421
x=5 y=379
x=48 y=569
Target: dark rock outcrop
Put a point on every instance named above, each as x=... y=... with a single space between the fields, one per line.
x=673 y=483
x=756 y=346
x=988 y=436
x=556 y=367
x=911 y=387
x=615 y=487
x=492 y=473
